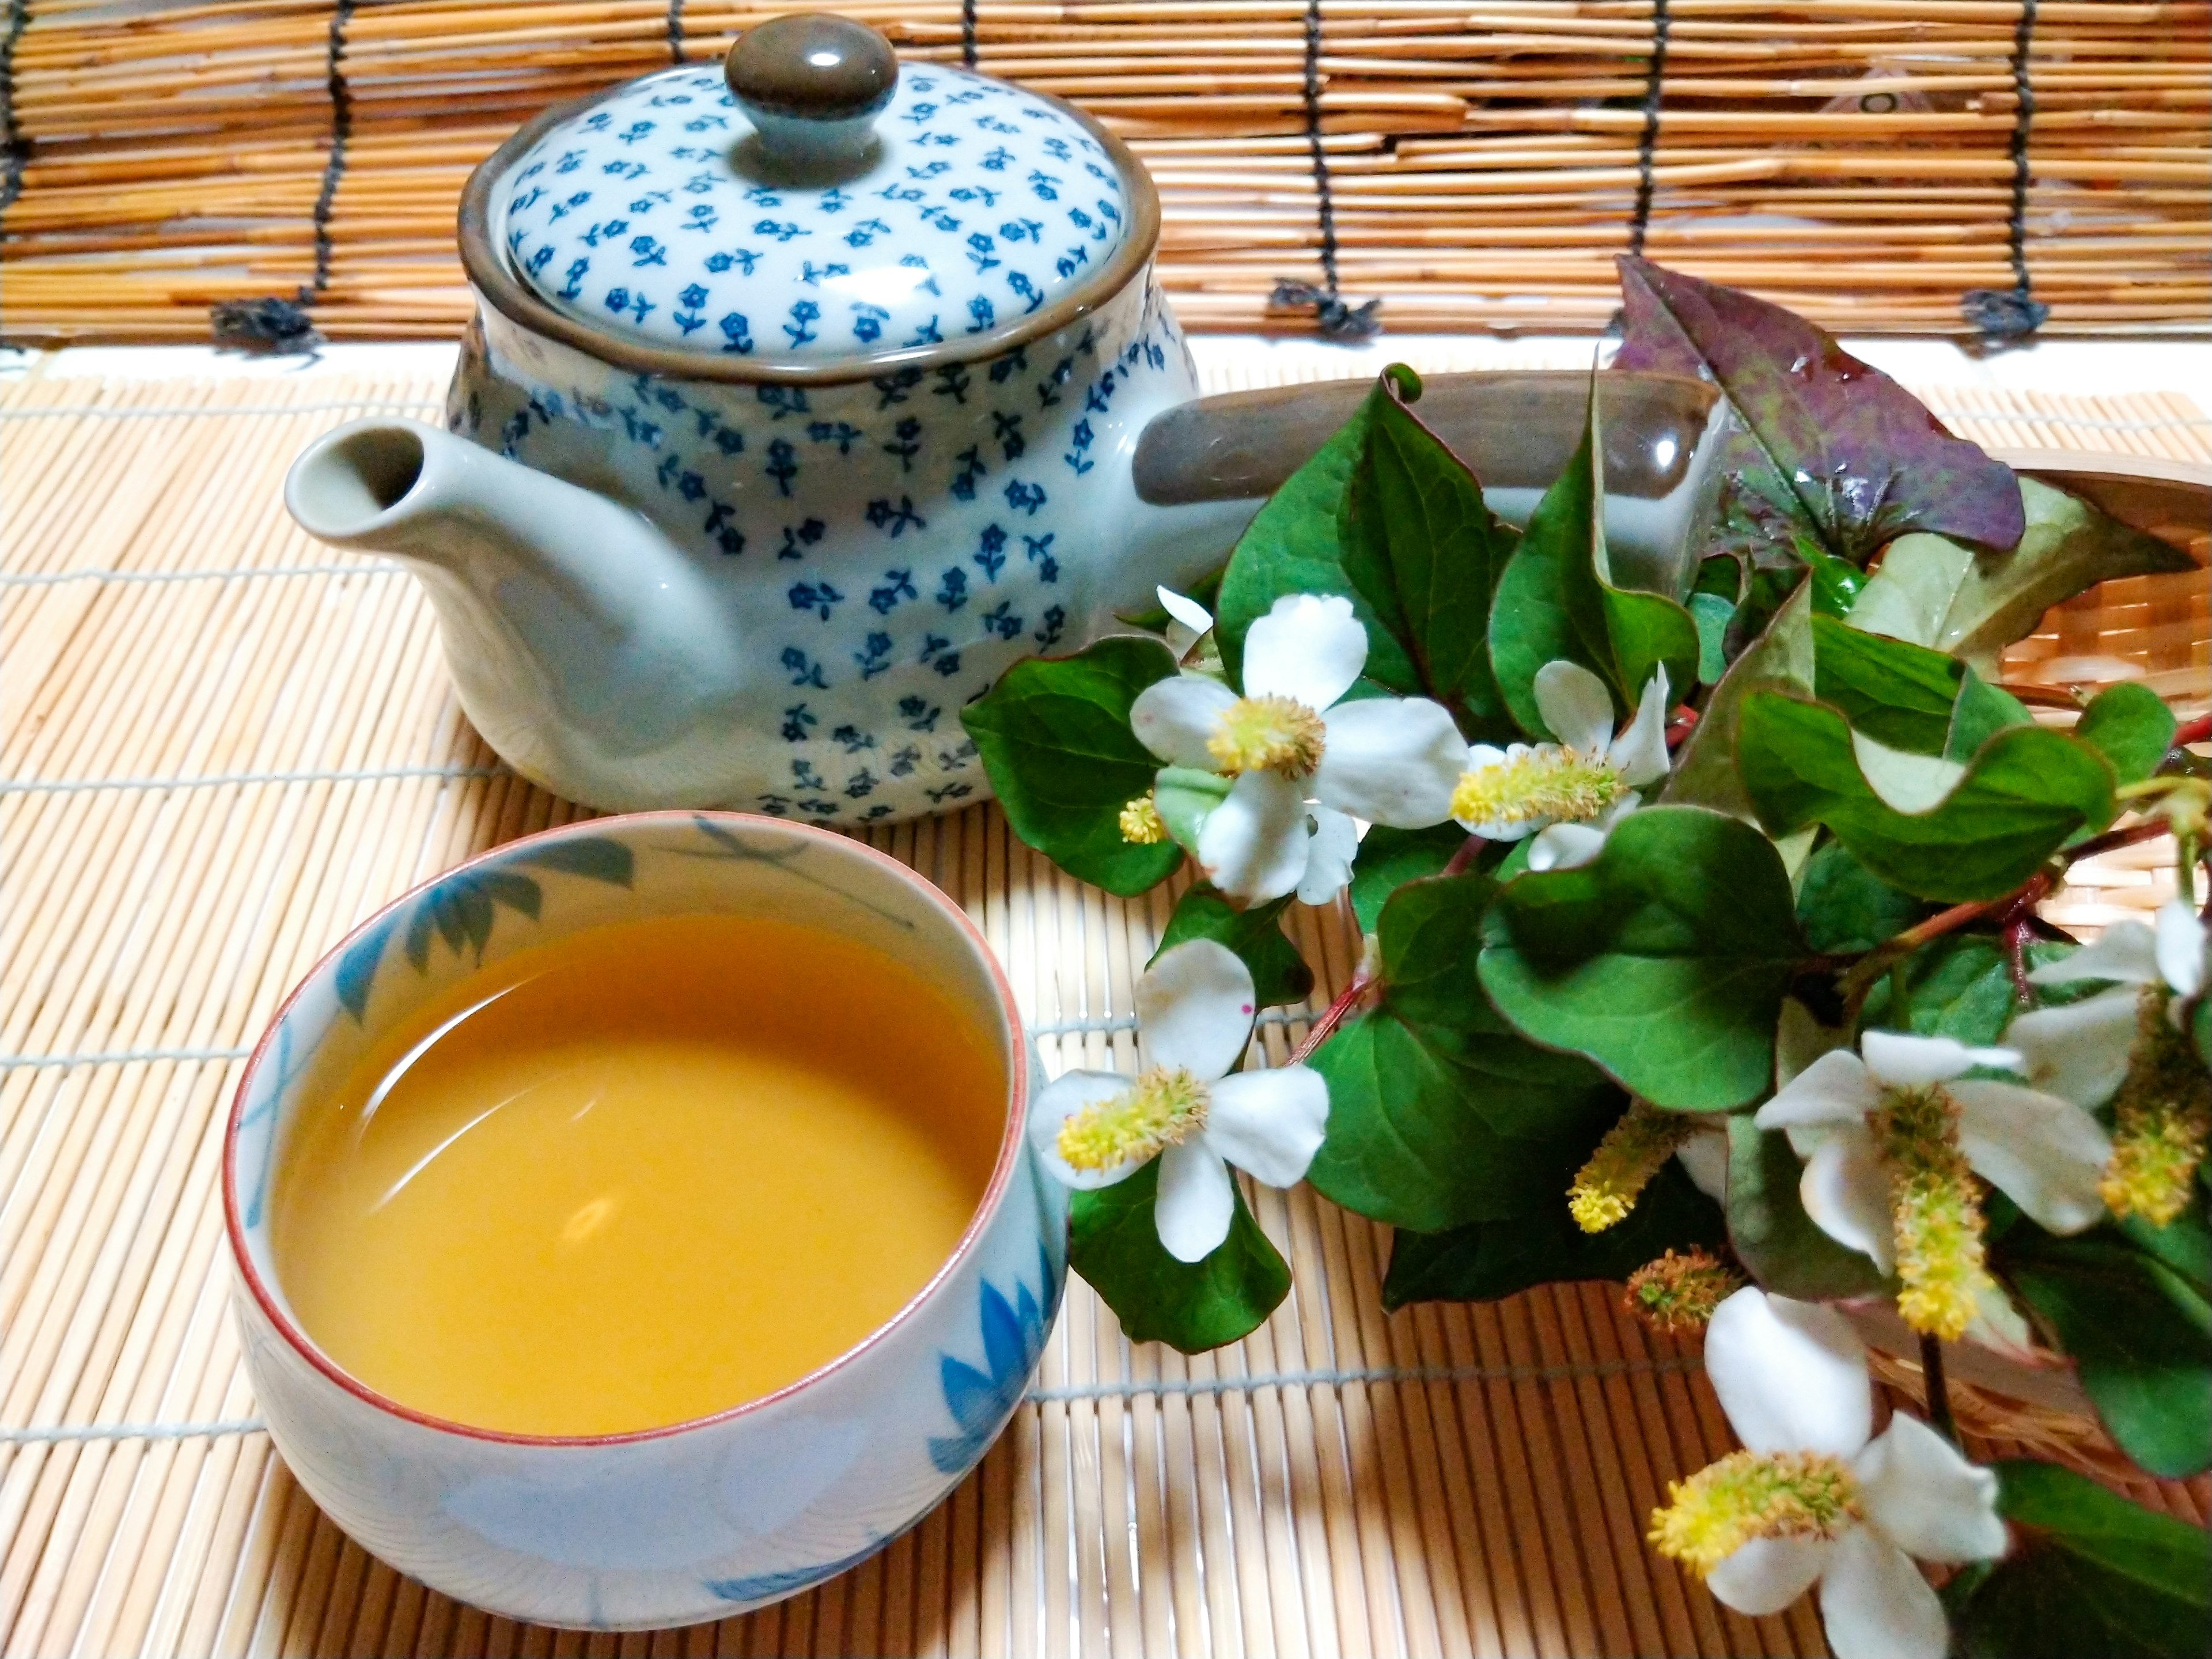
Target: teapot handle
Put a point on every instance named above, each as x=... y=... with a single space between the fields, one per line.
x=1516 y=429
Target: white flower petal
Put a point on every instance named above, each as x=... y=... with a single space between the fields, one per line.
x=2079 y=1050
x=1269 y=1123
x=1704 y=1158
x=2181 y=946
x=1875 y=1605
x=1575 y=705
x=1640 y=753
x=1196 y=1201
x=1903 y=1060
x=2042 y=1152
x=1252 y=846
x=1767 y=1574
x=1836 y=1088
x=1799 y=1040
x=1792 y=1375
x=1565 y=846
x=1390 y=760
x=1195 y=1008
x=1846 y=1193
x=1174 y=718
x=1185 y=610
x=2000 y=1327
x=1931 y=1501
x=1305 y=648
x=2126 y=950
x=1333 y=846
x=1060 y=1100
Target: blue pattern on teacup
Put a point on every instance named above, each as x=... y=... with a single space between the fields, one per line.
x=651 y=214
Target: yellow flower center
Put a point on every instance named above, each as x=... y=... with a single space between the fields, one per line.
x=1162 y=1108
x=1140 y=822
x=1747 y=1495
x=1267 y=734
x=1935 y=1208
x=2161 y=1119
x=1607 y=1187
x=1551 y=783
x=1677 y=1294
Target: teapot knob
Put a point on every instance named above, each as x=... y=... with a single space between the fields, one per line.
x=812 y=85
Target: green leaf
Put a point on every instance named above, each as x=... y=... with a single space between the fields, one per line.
x=2089 y=1573
x=2130 y=727
x=1780 y=659
x=1960 y=986
x=1438 y=1113
x=1558 y=602
x=1053 y=734
x=1292 y=545
x=1934 y=592
x=1983 y=711
x=1389 y=859
x=1114 y=1243
x=2139 y=1332
x=1711 y=613
x=1845 y=908
x=1182 y=796
x=1769 y=1231
x=2027 y=792
x=1664 y=959
x=1901 y=694
x=1486 y=1260
x=1279 y=972
x=1423 y=555
x=1836 y=583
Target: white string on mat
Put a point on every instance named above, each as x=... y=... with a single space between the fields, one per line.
x=167 y=412
x=1107 y=1024
x=1065 y=1395
x=2088 y=423
x=51 y=577
x=221 y=780
x=118 y=1057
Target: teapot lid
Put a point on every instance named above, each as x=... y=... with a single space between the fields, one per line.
x=811 y=205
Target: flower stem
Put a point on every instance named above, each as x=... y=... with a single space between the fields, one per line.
x=2196 y=731
x=1939 y=1391
x=1332 y=1017
x=1462 y=857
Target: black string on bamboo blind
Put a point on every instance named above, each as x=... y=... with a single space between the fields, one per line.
x=15 y=148
x=1335 y=320
x=968 y=33
x=1647 y=145
x=2002 y=315
x=675 y=31
x=274 y=324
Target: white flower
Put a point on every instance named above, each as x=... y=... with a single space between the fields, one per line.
x=1568 y=795
x=1188 y=621
x=1194 y=1009
x=1889 y=1135
x=1815 y=1497
x=1293 y=748
x=2081 y=1049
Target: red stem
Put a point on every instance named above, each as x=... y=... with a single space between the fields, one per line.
x=1332 y=1017
x=1685 y=722
x=2196 y=731
x=1462 y=856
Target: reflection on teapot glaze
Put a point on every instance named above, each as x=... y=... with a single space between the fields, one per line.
x=880 y=550
x=658 y=215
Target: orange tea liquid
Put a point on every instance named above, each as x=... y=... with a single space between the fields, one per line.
x=637 y=1175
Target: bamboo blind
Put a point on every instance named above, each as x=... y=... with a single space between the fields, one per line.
x=1472 y=163
x=221 y=745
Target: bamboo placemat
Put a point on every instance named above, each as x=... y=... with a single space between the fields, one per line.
x=220 y=745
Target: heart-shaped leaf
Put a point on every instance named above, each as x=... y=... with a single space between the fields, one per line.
x=1055 y=739
x=1557 y=601
x=2130 y=726
x=1280 y=974
x=2089 y=1572
x=1971 y=604
x=1960 y=986
x=1664 y=959
x=1833 y=448
x=1845 y=908
x=1389 y=859
x=1780 y=659
x=1486 y=1260
x=2024 y=793
x=1115 y=1244
x=1438 y=1113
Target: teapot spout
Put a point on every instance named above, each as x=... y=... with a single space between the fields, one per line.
x=576 y=631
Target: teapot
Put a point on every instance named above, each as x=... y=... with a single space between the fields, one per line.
x=808 y=393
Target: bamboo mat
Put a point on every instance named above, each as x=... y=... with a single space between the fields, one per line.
x=220 y=745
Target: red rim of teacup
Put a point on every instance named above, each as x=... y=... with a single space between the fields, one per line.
x=1010 y=1146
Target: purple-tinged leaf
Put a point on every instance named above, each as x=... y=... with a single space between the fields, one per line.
x=1833 y=448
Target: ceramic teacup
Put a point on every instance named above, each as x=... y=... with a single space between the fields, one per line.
x=712 y=1517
